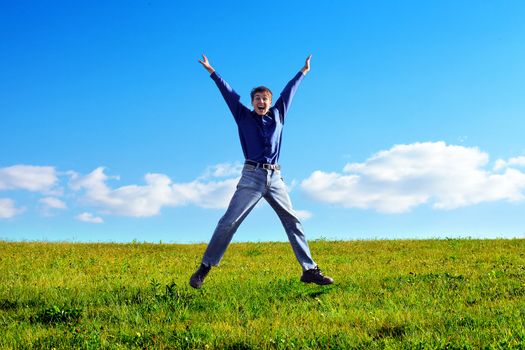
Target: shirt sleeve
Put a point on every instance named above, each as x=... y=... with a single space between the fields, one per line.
x=230 y=96
x=285 y=99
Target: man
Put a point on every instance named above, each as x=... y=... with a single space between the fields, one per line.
x=260 y=132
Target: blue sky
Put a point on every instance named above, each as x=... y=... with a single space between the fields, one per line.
x=409 y=125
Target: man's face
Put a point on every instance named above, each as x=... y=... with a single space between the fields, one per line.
x=261 y=103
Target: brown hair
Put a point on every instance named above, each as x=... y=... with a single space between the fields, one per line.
x=260 y=89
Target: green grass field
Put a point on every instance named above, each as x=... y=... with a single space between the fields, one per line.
x=447 y=294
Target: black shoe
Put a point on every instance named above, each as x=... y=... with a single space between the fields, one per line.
x=197 y=279
x=316 y=276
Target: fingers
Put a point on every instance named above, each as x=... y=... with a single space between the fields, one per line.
x=204 y=60
x=206 y=64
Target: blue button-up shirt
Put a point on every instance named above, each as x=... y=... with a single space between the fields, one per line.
x=260 y=136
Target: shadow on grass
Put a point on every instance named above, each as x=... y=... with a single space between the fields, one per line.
x=390 y=331
x=317 y=291
x=293 y=289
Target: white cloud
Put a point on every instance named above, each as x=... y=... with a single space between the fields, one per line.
x=516 y=161
x=223 y=170
x=8 y=209
x=303 y=214
x=147 y=200
x=53 y=203
x=405 y=176
x=88 y=217
x=28 y=177
x=129 y=200
x=214 y=194
x=499 y=165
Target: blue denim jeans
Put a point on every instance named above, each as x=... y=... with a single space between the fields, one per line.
x=256 y=183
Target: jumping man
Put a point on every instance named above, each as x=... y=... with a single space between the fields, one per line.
x=260 y=133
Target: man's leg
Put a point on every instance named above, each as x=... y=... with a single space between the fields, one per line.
x=249 y=192
x=240 y=206
x=279 y=200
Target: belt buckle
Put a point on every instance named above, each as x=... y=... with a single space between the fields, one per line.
x=270 y=166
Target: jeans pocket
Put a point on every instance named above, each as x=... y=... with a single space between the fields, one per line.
x=248 y=167
x=248 y=179
x=278 y=173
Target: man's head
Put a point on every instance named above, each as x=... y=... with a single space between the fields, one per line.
x=261 y=100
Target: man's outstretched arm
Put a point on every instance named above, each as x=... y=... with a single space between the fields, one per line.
x=306 y=67
x=230 y=96
x=285 y=100
x=206 y=64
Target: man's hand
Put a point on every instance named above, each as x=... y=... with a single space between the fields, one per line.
x=206 y=64
x=306 y=67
